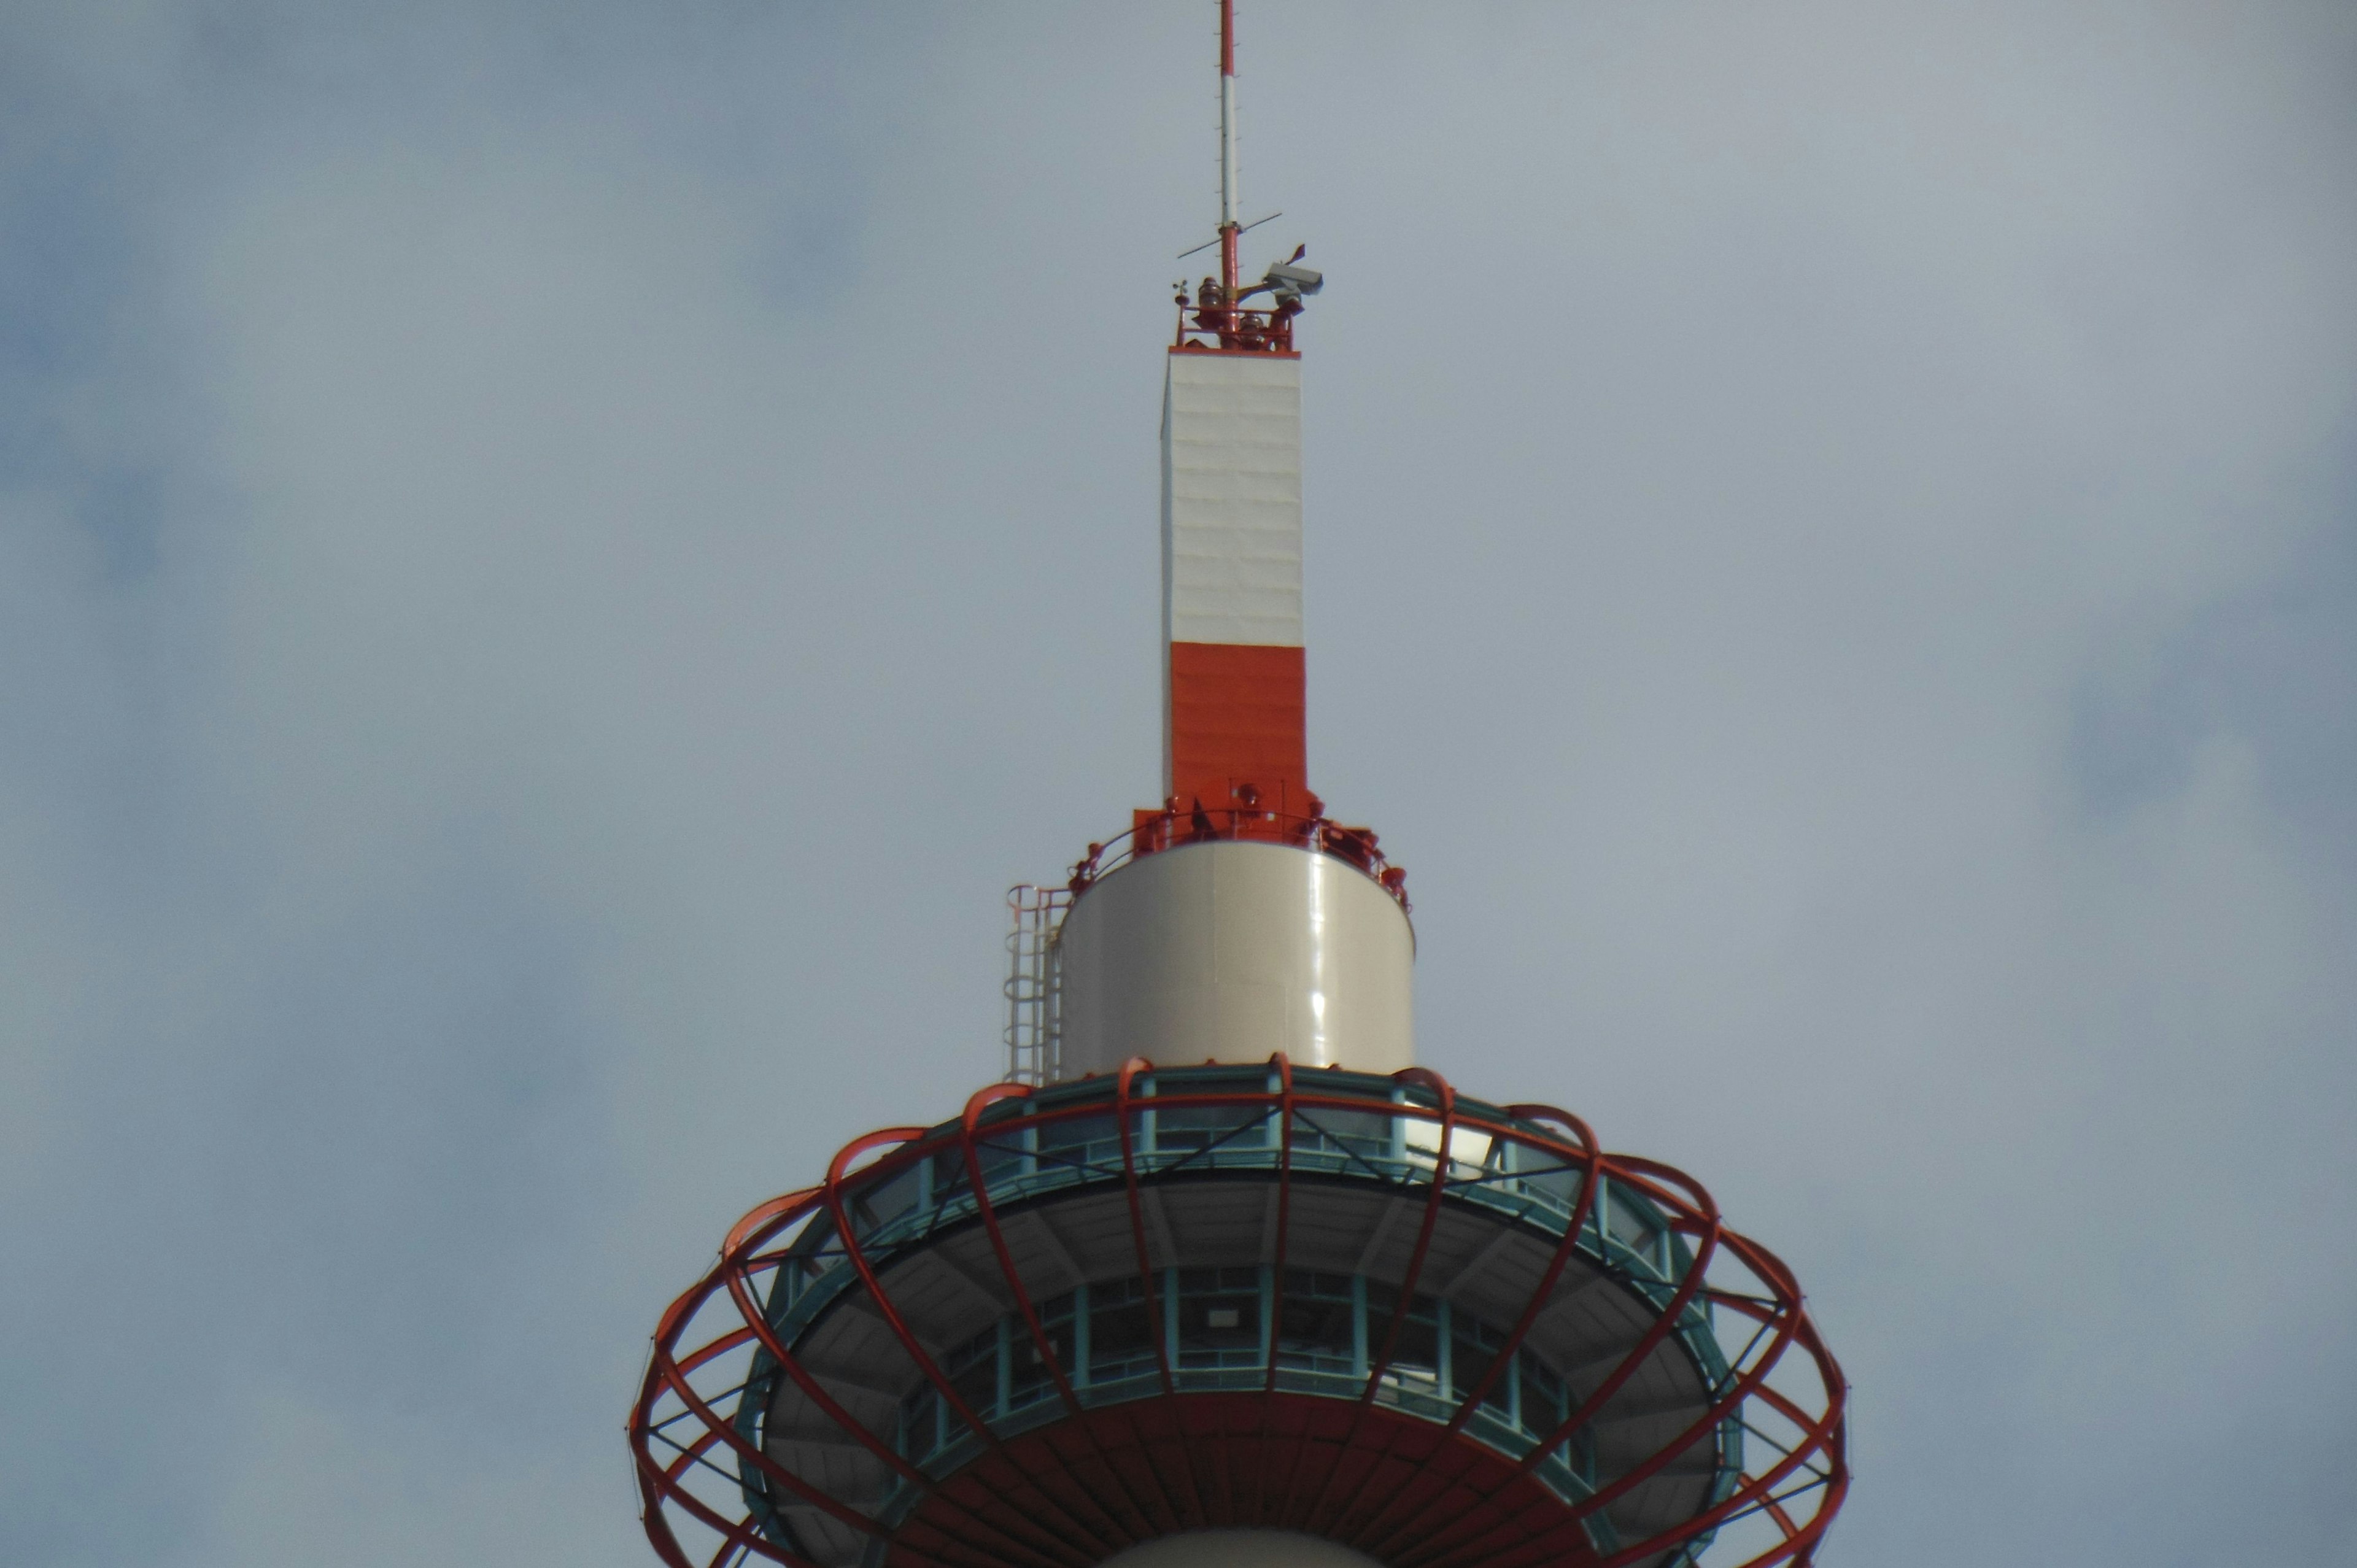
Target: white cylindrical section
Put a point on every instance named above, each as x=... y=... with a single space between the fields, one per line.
x=1235 y=951
x=1228 y=192
x=1238 y=1549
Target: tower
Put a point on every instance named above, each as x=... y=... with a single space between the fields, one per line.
x=1217 y=1275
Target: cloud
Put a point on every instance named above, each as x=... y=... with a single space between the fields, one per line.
x=554 y=562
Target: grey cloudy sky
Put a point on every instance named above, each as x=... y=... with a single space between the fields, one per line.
x=555 y=560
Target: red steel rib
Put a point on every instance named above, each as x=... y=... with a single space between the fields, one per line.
x=1704 y=1210
x=1284 y=1066
x=738 y=1268
x=658 y=1483
x=1592 y=1162
x=1401 y=1531
x=1406 y=1301
x=915 y=1351
x=1136 y=1526
x=1124 y=1104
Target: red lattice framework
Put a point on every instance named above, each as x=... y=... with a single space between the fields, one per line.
x=1409 y=1492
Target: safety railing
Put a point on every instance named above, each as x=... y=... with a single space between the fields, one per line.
x=1190 y=1121
x=1643 y=1225
x=1174 y=827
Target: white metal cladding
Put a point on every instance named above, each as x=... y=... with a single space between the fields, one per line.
x=1233 y=952
x=1232 y=500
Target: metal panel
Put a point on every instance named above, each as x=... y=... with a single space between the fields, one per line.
x=1236 y=720
x=1232 y=500
x=1236 y=951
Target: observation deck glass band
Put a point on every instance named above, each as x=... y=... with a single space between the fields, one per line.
x=1216 y=1323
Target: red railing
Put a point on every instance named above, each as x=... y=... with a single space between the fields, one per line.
x=1454 y=1505
x=1175 y=826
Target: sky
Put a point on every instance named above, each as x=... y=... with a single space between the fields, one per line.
x=557 y=560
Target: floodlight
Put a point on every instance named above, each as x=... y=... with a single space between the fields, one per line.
x=1291 y=278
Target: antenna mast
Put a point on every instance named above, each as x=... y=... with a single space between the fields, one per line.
x=1230 y=225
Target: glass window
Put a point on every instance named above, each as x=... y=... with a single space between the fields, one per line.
x=1178 y=1128
x=886 y=1201
x=1029 y=1376
x=1121 y=1331
x=1631 y=1225
x=920 y=1418
x=1543 y=1406
x=1315 y=1331
x=973 y=1370
x=1079 y=1142
x=1415 y=1357
x=1473 y=1347
x=1365 y=1134
x=1219 y=1317
x=1000 y=1151
x=1554 y=1184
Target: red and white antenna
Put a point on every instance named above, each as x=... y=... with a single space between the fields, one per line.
x=1218 y=1277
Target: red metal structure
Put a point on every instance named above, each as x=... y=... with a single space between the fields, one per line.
x=1413 y=1462
x=1174 y=827
x=1212 y=322
x=1218 y=1277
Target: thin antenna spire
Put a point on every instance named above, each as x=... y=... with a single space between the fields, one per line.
x=1230 y=226
x=1215 y=316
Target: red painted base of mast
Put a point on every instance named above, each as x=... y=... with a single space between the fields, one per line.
x=1237 y=718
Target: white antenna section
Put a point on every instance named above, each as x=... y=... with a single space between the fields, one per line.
x=1229 y=191
x=1231 y=196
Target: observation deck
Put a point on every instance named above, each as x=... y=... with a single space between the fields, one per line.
x=1218 y=1278
x=1443 y=1333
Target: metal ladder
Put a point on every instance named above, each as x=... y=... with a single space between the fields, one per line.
x=1032 y=956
